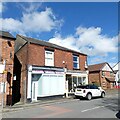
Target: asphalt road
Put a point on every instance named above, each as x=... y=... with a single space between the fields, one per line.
x=96 y=108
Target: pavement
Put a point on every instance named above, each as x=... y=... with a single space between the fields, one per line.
x=19 y=105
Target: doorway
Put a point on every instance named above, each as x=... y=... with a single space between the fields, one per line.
x=34 y=87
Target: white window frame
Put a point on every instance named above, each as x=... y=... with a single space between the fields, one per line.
x=49 y=59
x=77 y=62
x=2 y=87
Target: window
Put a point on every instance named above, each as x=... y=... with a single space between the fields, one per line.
x=74 y=81
x=75 y=62
x=49 y=58
x=103 y=73
x=93 y=87
x=86 y=66
x=79 y=81
x=111 y=74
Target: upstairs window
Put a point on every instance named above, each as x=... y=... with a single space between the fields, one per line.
x=103 y=73
x=75 y=62
x=111 y=74
x=49 y=58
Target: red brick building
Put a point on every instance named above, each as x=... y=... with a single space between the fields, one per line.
x=102 y=74
x=6 y=67
x=45 y=68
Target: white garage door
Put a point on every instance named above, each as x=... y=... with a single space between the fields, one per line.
x=51 y=84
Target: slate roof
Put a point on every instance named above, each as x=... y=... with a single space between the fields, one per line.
x=6 y=35
x=48 y=44
x=96 y=67
x=111 y=79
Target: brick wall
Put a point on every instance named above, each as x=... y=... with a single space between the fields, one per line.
x=94 y=77
x=23 y=58
x=61 y=56
x=34 y=54
x=7 y=53
x=106 y=84
x=98 y=78
x=82 y=61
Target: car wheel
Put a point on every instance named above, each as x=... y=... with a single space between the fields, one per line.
x=89 y=96
x=102 y=94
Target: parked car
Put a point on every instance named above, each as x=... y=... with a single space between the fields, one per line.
x=89 y=91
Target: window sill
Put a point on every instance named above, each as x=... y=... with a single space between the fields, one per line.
x=76 y=68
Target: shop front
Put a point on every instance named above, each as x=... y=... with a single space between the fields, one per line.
x=44 y=82
x=76 y=78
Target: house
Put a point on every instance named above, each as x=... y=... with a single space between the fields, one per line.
x=6 y=67
x=117 y=73
x=102 y=74
x=47 y=69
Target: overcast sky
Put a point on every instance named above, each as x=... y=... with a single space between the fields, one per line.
x=88 y=27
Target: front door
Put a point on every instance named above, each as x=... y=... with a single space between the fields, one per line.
x=34 y=90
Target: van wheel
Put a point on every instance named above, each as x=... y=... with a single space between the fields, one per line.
x=102 y=94
x=89 y=96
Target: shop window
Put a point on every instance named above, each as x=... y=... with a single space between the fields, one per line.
x=74 y=81
x=79 y=81
x=36 y=77
x=84 y=80
x=75 y=62
x=49 y=58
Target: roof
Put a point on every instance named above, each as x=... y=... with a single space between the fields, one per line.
x=115 y=71
x=48 y=44
x=7 y=35
x=116 y=66
x=110 y=79
x=96 y=67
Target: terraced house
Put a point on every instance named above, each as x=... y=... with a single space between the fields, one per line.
x=6 y=67
x=44 y=69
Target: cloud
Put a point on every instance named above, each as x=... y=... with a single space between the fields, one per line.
x=35 y=21
x=30 y=7
x=89 y=41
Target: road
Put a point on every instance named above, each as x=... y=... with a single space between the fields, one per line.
x=96 y=108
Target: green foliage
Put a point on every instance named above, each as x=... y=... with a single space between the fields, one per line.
x=95 y=83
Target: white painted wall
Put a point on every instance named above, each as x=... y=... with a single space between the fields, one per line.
x=117 y=76
x=116 y=67
x=2 y=68
x=106 y=68
x=29 y=82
